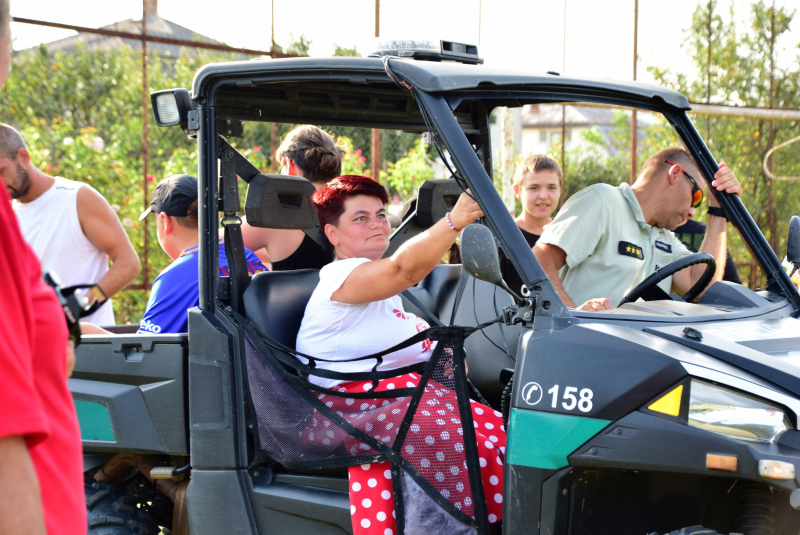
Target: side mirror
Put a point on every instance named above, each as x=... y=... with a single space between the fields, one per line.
x=479 y=257
x=793 y=247
x=479 y=254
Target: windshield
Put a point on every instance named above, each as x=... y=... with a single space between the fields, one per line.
x=597 y=206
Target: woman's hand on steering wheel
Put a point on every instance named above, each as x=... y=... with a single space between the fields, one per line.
x=465 y=212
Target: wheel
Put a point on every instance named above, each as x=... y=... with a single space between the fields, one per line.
x=670 y=269
x=112 y=512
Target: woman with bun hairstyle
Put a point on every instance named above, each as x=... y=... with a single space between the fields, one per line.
x=311 y=153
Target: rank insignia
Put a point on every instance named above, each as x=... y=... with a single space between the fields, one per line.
x=630 y=249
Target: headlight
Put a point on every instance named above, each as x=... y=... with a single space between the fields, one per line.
x=171 y=107
x=732 y=414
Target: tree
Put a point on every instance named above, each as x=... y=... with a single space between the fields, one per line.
x=81 y=116
x=343 y=51
x=738 y=73
x=300 y=46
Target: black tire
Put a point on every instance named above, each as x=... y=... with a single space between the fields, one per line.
x=112 y=512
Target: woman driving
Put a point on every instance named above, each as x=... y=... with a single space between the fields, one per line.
x=356 y=311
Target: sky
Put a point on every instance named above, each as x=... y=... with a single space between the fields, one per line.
x=591 y=38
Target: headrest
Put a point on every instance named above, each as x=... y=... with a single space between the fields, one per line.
x=280 y=201
x=435 y=198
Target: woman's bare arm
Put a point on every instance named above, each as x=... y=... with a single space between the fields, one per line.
x=384 y=278
x=279 y=243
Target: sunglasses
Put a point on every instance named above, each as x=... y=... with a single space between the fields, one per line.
x=697 y=193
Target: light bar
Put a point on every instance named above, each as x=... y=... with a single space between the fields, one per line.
x=428 y=49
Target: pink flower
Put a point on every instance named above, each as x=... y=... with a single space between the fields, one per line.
x=256 y=148
x=358 y=151
x=362 y=159
x=47 y=169
x=396 y=199
x=150 y=178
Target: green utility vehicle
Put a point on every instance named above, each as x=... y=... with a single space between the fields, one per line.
x=658 y=416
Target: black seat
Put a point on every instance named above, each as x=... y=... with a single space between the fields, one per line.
x=276 y=301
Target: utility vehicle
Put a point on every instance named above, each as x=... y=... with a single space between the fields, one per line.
x=655 y=417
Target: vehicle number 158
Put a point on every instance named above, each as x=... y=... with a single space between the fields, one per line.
x=583 y=400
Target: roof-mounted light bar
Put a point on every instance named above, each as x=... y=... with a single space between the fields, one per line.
x=171 y=107
x=430 y=50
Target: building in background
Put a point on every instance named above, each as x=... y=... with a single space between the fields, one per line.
x=156 y=26
x=538 y=129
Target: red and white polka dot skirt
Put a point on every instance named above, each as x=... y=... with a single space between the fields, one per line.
x=438 y=429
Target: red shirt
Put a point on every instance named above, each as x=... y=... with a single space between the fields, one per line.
x=35 y=401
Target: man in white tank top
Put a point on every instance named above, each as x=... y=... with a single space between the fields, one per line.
x=69 y=225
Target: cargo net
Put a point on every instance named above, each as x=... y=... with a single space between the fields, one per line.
x=425 y=430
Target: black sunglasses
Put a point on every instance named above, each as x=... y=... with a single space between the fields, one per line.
x=697 y=193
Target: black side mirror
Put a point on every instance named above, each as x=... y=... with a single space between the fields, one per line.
x=793 y=247
x=479 y=256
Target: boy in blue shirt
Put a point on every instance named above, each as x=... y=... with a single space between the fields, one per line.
x=176 y=289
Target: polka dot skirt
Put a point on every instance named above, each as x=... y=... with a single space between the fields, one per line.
x=432 y=445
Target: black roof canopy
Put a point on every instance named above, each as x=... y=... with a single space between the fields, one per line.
x=343 y=75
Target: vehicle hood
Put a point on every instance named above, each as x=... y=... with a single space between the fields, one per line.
x=769 y=349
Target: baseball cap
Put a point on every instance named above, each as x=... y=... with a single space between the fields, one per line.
x=173 y=196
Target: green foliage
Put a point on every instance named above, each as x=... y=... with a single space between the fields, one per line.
x=740 y=70
x=406 y=174
x=344 y=51
x=353 y=162
x=607 y=159
x=81 y=115
x=300 y=46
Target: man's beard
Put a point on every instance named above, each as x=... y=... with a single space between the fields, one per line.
x=24 y=183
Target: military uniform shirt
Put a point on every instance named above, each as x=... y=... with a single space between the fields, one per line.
x=610 y=247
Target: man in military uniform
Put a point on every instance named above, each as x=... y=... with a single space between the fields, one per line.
x=606 y=240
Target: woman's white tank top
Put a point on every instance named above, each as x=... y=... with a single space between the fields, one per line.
x=51 y=227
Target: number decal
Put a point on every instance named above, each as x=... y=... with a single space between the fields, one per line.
x=568 y=395
x=569 y=402
x=585 y=403
x=554 y=392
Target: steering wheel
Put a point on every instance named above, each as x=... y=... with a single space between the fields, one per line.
x=670 y=269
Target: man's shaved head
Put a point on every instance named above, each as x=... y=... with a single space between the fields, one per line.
x=678 y=155
x=10 y=141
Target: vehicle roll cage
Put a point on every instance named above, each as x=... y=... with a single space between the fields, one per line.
x=440 y=108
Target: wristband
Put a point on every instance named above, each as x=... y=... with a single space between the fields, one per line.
x=98 y=293
x=452 y=226
x=717 y=211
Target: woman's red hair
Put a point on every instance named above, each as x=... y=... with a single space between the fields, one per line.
x=330 y=199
